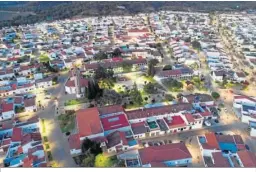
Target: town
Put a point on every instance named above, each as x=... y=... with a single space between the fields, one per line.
x=162 y=89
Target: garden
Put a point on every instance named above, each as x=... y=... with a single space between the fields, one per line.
x=173 y=85
x=75 y=102
x=67 y=121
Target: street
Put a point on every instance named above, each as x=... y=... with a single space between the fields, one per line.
x=59 y=145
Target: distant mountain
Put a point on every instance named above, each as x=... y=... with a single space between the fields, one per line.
x=56 y=10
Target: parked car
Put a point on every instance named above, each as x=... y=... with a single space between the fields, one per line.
x=207 y=123
x=225 y=110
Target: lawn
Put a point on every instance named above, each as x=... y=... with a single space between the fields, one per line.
x=75 y=102
x=67 y=122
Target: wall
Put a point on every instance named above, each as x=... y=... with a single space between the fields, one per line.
x=178 y=162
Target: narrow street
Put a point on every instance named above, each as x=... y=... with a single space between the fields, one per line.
x=58 y=144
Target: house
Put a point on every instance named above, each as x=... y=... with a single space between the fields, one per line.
x=138 y=32
x=30 y=105
x=218 y=75
x=117 y=142
x=170 y=155
x=245 y=108
x=76 y=84
x=43 y=83
x=184 y=73
x=88 y=123
x=8 y=111
x=239 y=76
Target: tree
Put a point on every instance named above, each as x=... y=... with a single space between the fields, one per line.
x=196 y=45
x=91 y=147
x=106 y=83
x=44 y=58
x=117 y=52
x=110 y=97
x=93 y=89
x=215 y=95
x=167 y=67
x=169 y=97
x=190 y=87
x=151 y=67
x=100 y=56
x=104 y=161
x=149 y=88
x=88 y=161
x=127 y=67
x=135 y=95
x=102 y=73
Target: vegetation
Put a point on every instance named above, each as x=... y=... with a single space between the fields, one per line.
x=151 y=67
x=43 y=126
x=167 y=67
x=104 y=161
x=47 y=146
x=49 y=155
x=127 y=67
x=107 y=83
x=102 y=73
x=150 y=88
x=100 y=56
x=44 y=58
x=19 y=109
x=91 y=147
x=110 y=97
x=136 y=96
x=55 y=80
x=67 y=121
x=196 y=45
x=48 y=11
x=45 y=139
x=75 y=102
x=215 y=95
x=88 y=161
x=173 y=85
x=169 y=97
x=93 y=89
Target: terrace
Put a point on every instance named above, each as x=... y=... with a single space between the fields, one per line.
x=152 y=123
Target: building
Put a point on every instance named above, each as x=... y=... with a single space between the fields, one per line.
x=170 y=155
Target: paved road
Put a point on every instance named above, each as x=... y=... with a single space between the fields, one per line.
x=59 y=145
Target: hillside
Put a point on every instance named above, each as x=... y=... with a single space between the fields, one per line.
x=62 y=10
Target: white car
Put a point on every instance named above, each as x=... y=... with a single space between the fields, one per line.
x=225 y=110
x=207 y=123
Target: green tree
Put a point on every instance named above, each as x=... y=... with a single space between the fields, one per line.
x=44 y=58
x=151 y=67
x=149 y=88
x=104 y=161
x=167 y=67
x=135 y=95
x=88 y=161
x=102 y=73
x=196 y=45
x=100 y=56
x=215 y=95
x=93 y=89
x=91 y=147
x=127 y=67
x=117 y=52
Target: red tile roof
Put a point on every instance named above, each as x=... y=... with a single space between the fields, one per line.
x=17 y=135
x=248 y=158
x=114 y=122
x=29 y=102
x=168 y=152
x=70 y=83
x=74 y=141
x=244 y=97
x=110 y=109
x=155 y=111
x=7 y=107
x=167 y=73
x=27 y=162
x=212 y=142
x=116 y=138
x=189 y=117
x=139 y=30
x=88 y=122
x=219 y=160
